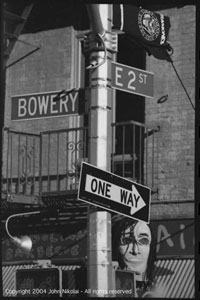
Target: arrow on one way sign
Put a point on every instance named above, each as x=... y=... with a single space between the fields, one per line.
x=112 y=192
x=130 y=198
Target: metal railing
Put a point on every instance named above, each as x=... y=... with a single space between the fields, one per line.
x=62 y=152
x=50 y=162
x=20 y=162
x=133 y=151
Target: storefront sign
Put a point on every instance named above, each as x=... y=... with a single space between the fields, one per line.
x=48 y=246
x=45 y=105
x=174 y=237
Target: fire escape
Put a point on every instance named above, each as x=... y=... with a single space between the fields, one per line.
x=14 y=20
x=41 y=171
x=44 y=169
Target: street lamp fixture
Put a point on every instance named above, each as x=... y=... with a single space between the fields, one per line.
x=24 y=242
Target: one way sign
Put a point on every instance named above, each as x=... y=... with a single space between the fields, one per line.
x=111 y=192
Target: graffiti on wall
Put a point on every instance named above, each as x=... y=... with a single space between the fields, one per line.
x=174 y=238
x=48 y=246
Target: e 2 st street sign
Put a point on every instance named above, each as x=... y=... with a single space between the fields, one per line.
x=111 y=192
x=132 y=80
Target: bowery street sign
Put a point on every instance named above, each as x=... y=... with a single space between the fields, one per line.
x=132 y=80
x=111 y=192
x=47 y=104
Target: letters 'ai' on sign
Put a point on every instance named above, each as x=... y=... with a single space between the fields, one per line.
x=107 y=190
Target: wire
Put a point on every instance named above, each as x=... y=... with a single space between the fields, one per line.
x=169 y=47
x=27 y=43
x=16 y=61
x=171 y=61
x=175 y=233
x=64 y=92
x=105 y=54
x=182 y=84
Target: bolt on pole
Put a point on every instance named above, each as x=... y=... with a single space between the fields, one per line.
x=99 y=221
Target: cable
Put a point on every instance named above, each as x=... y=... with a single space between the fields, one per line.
x=175 y=233
x=171 y=61
x=91 y=66
x=21 y=58
x=27 y=43
x=168 y=48
x=64 y=92
x=182 y=84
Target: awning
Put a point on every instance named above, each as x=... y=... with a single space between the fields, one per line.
x=178 y=276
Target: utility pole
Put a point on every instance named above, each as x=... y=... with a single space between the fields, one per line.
x=99 y=222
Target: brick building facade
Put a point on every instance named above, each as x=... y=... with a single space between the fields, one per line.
x=59 y=66
x=175 y=116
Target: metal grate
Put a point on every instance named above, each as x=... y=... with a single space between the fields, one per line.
x=177 y=276
x=133 y=151
x=46 y=164
x=61 y=155
x=21 y=167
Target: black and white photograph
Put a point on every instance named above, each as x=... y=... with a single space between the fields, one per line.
x=98 y=159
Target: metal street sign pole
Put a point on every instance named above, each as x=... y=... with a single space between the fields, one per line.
x=99 y=222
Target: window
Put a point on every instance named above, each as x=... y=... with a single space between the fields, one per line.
x=130 y=108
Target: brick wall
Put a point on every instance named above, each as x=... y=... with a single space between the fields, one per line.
x=51 y=68
x=175 y=141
